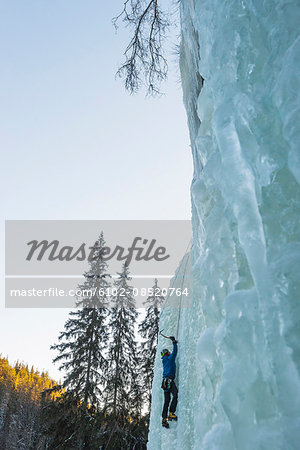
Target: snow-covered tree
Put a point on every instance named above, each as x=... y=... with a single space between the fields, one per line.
x=148 y=330
x=82 y=345
x=67 y=423
x=122 y=376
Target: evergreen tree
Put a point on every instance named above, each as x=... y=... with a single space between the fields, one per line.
x=20 y=406
x=122 y=379
x=67 y=423
x=148 y=329
x=82 y=345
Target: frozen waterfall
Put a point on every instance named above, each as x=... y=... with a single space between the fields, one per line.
x=239 y=347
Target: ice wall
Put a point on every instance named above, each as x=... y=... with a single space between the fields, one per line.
x=239 y=346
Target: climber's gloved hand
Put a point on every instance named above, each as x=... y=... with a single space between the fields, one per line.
x=173 y=339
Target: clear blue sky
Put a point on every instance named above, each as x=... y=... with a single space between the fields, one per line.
x=74 y=144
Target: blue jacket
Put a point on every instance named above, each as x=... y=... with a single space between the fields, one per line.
x=169 y=366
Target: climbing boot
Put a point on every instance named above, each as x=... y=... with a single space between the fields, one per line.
x=172 y=416
x=165 y=423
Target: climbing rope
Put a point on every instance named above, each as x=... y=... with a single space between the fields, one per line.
x=182 y=284
x=174 y=279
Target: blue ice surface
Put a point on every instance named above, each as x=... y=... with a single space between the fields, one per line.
x=239 y=348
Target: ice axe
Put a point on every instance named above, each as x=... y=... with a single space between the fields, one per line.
x=168 y=337
x=163 y=335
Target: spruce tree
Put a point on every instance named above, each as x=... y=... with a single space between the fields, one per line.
x=122 y=357
x=148 y=330
x=83 y=343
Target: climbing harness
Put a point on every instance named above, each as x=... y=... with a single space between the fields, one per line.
x=167 y=384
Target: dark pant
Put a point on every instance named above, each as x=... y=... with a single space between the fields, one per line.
x=174 y=392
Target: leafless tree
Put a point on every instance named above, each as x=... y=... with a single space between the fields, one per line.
x=144 y=58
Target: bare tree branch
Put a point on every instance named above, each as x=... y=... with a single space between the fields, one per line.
x=144 y=59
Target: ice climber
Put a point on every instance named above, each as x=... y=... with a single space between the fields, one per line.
x=168 y=383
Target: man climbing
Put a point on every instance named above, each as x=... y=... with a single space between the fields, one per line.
x=168 y=383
